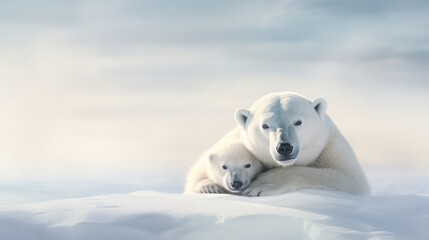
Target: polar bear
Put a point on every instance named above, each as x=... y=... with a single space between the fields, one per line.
x=300 y=145
x=227 y=167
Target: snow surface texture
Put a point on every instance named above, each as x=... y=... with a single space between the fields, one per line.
x=309 y=214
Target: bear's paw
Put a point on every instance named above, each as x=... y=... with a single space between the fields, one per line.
x=211 y=188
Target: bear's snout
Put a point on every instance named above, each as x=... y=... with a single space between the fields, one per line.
x=236 y=185
x=284 y=149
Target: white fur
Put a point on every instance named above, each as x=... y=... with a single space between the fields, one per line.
x=321 y=157
x=208 y=176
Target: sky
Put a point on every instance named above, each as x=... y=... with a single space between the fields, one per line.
x=122 y=89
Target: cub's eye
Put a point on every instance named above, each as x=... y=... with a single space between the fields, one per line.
x=265 y=126
x=297 y=123
x=248 y=165
x=224 y=167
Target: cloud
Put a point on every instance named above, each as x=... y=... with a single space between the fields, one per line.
x=364 y=8
x=273 y=31
x=43 y=13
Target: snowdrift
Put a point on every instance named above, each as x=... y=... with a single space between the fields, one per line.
x=309 y=214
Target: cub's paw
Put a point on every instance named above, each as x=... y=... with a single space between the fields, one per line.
x=211 y=188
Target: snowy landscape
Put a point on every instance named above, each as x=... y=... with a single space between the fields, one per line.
x=398 y=209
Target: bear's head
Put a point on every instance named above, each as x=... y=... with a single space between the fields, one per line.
x=284 y=128
x=233 y=167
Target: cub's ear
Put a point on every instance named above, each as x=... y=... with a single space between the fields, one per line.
x=320 y=105
x=212 y=157
x=241 y=116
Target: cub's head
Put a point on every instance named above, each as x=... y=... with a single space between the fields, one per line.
x=233 y=167
x=284 y=128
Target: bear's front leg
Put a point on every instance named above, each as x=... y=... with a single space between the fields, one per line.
x=272 y=182
x=291 y=178
x=208 y=186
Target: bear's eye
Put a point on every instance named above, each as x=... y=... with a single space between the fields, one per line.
x=248 y=165
x=297 y=123
x=224 y=167
x=265 y=126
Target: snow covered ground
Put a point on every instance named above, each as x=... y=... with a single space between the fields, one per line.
x=399 y=209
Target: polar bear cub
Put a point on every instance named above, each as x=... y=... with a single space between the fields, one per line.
x=225 y=168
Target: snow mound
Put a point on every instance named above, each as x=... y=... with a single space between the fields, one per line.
x=309 y=214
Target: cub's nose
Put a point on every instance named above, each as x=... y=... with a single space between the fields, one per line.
x=284 y=149
x=236 y=184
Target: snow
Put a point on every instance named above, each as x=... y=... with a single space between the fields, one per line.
x=307 y=214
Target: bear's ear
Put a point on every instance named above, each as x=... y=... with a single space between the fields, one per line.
x=212 y=157
x=241 y=116
x=320 y=105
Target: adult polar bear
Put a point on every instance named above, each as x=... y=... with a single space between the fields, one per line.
x=299 y=144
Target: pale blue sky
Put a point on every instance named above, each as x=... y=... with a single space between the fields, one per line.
x=112 y=87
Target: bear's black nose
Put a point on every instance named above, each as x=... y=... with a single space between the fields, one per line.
x=284 y=149
x=236 y=184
